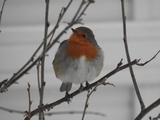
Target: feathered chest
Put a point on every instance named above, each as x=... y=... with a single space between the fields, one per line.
x=76 y=50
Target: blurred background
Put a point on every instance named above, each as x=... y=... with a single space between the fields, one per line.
x=22 y=30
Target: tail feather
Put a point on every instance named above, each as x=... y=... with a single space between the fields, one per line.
x=66 y=86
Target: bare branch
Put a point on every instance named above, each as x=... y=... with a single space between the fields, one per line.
x=142 y=64
x=148 y=109
x=103 y=82
x=128 y=57
x=41 y=115
x=54 y=113
x=58 y=102
x=75 y=112
x=3 y=82
x=38 y=76
x=28 y=66
x=12 y=111
x=76 y=14
x=156 y=118
x=61 y=14
x=30 y=103
x=2 y=11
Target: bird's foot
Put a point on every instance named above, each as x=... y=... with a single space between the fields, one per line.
x=67 y=97
x=81 y=87
x=88 y=86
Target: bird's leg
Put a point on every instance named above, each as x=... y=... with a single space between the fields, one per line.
x=67 y=97
x=88 y=86
x=81 y=87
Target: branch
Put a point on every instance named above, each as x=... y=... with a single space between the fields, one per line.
x=28 y=66
x=88 y=96
x=12 y=111
x=30 y=103
x=155 y=118
x=148 y=109
x=82 y=13
x=61 y=14
x=38 y=77
x=24 y=68
x=58 y=102
x=142 y=64
x=80 y=7
x=103 y=82
x=2 y=11
x=128 y=57
x=54 y=113
x=41 y=115
x=75 y=112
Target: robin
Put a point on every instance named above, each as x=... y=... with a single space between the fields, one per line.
x=79 y=59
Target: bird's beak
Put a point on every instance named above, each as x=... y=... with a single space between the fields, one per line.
x=73 y=30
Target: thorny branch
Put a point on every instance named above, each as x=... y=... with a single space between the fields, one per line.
x=32 y=61
x=128 y=57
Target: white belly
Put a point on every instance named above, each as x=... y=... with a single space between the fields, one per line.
x=83 y=71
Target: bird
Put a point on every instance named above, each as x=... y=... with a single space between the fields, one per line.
x=79 y=59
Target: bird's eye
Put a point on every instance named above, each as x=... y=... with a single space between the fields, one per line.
x=84 y=35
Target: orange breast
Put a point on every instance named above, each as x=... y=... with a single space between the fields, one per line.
x=78 y=48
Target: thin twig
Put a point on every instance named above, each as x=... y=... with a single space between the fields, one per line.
x=148 y=109
x=41 y=116
x=156 y=118
x=38 y=76
x=142 y=64
x=3 y=82
x=2 y=11
x=12 y=111
x=75 y=112
x=86 y=103
x=128 y=57
x=82 y=13
x=53 y=113
x=30 y=102
x=61 y=14
x=89 y=94
x=76 y=14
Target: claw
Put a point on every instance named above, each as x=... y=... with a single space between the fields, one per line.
x=67 y=97
x=81 y=87
x=88 y=86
